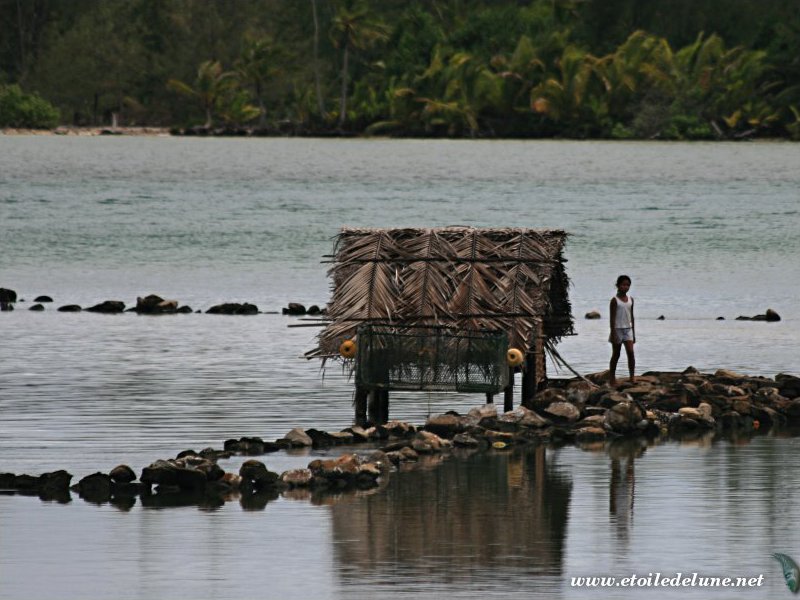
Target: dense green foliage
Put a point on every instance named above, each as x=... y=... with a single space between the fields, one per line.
x=18 y=109
x=672 y=69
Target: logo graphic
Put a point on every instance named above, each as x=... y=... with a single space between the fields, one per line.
x=790 y=571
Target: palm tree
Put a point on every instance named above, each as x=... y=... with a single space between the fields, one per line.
x=353 y=29
x=210 y=85
x=256 y=67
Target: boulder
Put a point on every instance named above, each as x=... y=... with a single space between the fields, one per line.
x=579 y=392
x=161 y=472
x=256 y=473
x=190 y=479
x=524 y=417
x=788 y=385
x=298 y=438
x=155 y=305
x=233 y=308
x=563 y=411
x=465 y=440
x=623 y=417
x=297 y=478
x=69 y=308
x=545 y=398
x=36 y=307
x=122 y=474
x=56 y=482
x=7 y=296
x=593 y=314
x=481 y=412
x=313 y=310
x=95 y=487
x=294 y=309
x=446 y=425
x=426 y=442
x=109 y=307
x=43 y=299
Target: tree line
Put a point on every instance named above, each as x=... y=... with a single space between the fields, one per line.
x=667 y=69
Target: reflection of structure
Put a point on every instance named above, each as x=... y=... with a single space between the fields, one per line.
x=622 y=484
x=506 y=511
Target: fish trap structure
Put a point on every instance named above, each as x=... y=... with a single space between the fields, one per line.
x=456 y=309
x=431 y=358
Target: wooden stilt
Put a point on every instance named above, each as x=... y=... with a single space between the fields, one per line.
x=373 y=418
x=508 y=393
x=529 y=380
x=361 y=406
x=489 y=398
x=383 y=406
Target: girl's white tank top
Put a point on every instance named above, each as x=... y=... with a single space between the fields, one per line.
x=624 y=313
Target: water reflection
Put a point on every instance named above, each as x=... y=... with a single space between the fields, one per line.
x=471 y=514
x=622 y=484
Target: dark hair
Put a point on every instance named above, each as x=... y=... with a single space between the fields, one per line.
x=622 y=278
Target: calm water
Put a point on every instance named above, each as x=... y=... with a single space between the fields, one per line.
x=705 y=230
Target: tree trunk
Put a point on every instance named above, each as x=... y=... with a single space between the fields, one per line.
x=343 y=101
x=320 y=103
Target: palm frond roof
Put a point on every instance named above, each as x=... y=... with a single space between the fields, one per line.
x=509 y=279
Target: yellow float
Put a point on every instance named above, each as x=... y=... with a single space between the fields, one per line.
x=348 y=349
x=514 y=357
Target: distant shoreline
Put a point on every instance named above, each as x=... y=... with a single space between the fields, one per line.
x=148 y=131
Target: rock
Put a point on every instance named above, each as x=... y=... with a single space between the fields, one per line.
x=446 y=425
x=313 y=310
x=7 y=296
x=592 y=421
x=233 y=308
x=729 y=375
x=705 y=410
x=321 y=439
x=742 y=406
x=294 y=309
x=185 y=310
x=109 y=307
x=155 y=305
x=43 y=299
x=426 y=442
x=691 y=413
x=409 y=454
x=190 y=479
x=579 y=392
x=69 y=308
x=122 y=474
x=161 y=472
x=36 y=307
x=793 y=410
x=54 y=482
x=359 y=433
x=400 y=429
x=344 y=469
x=256 y=473
x=772 y=316
x=481 y=412
x=593 y=315
x=661 y=318
x=545 y=398
x=298 y=438
x=564 y=411
x=720 y=318
x=788 y=385
x=95 y=487
x=297 y=478
x=465 y=440
x=524 y=417
x=623 y=417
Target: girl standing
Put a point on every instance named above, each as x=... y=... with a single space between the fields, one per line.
x=623 y=331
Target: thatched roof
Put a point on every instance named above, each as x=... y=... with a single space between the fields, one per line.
x=461 y=277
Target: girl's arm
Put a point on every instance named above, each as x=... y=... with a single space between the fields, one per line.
x=612 y=311
x=633 y=323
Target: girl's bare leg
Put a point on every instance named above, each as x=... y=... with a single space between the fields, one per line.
x=631 y=358
x=612 y=367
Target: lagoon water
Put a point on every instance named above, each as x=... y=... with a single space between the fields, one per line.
x=704 y=230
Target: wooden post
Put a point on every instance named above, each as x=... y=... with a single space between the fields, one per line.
x=383 y=406
x=361 y=406
x=489 y=398
x=508 y=393
x=373 y=405
x=529 y=379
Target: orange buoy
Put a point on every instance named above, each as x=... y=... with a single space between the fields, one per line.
x=348 y=349
x=514 y=357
